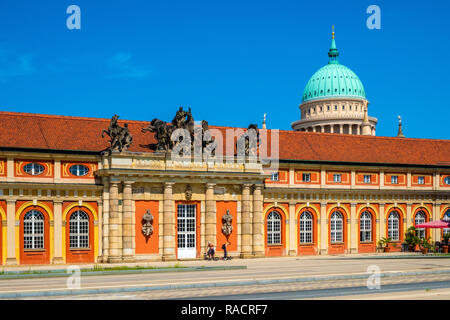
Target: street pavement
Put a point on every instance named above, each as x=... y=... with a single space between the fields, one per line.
x=430 y=273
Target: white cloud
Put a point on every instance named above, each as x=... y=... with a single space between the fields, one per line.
x=123 y=67
x=12 y=65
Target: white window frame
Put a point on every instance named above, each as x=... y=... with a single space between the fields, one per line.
x=419 y=218
x=446 y=218
x=394 y=179
x=79 y=218
x=307 y=176
x=367 y=178
x=306 y=227
x=394 y=226
x=34 y=221
x=365 y=227
x=447 y=180
x=420 y=180
x=337 y=178
x=337 y=227
x=274 y=228
x=275 y=176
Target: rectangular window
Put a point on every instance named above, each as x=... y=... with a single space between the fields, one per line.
x=394 y=179
x=367 y=178
x=306 y=177
x=337 y=178
x=275 y=176
x=421 y=180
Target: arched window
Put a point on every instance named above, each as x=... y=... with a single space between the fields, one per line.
x=420 y=218
x=337 y=227
x=33 y=230
x=394 y=226
x=306 y=227
x=447 y=218
x=79 y=230
x=365 y=226
x=274 y=228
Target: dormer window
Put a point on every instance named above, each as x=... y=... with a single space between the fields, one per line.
x=79 y=170
x=421 y=180
x=33 y=168
x=306 y=177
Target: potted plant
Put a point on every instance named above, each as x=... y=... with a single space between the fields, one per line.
x=445 y=242
x=384 y=243
x=412 y=239
x=425 y=245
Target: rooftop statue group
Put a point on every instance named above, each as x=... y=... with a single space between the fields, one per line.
x=121 y=139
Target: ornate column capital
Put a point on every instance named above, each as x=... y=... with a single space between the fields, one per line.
x=114 y=180
x=247 y=186
x=168 y=184
x=210 y=185
x=259 y=187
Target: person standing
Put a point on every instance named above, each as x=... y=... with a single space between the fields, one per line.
x=224 y=247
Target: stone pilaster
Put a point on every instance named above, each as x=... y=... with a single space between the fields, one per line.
x=128 y=241
x=258 y=226
x=293 y=237
x=105 y=221
x=409 y=221
x=169 y=223
x=246 y=226
x=11 y=258
x=210 y=215
x=115 y=227
x=436 y=233
x=382 y=230
x=353 y=229
x=57 y=211
x=323 y=228
x=100 y=231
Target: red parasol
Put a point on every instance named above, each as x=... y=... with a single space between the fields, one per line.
x=440 y=224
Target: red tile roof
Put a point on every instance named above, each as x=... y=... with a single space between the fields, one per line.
x=36 y=131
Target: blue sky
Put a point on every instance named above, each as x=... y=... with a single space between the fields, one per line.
x=230 y=61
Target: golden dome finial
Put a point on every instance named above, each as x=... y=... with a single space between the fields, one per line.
x=333 y=31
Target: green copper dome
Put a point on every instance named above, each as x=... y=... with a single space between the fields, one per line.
x=333 y=81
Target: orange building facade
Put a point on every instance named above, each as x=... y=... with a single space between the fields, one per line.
x=63 y=200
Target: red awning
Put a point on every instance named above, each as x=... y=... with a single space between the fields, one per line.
x=434 y=224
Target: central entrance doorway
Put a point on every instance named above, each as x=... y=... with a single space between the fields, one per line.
x=186 y=214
